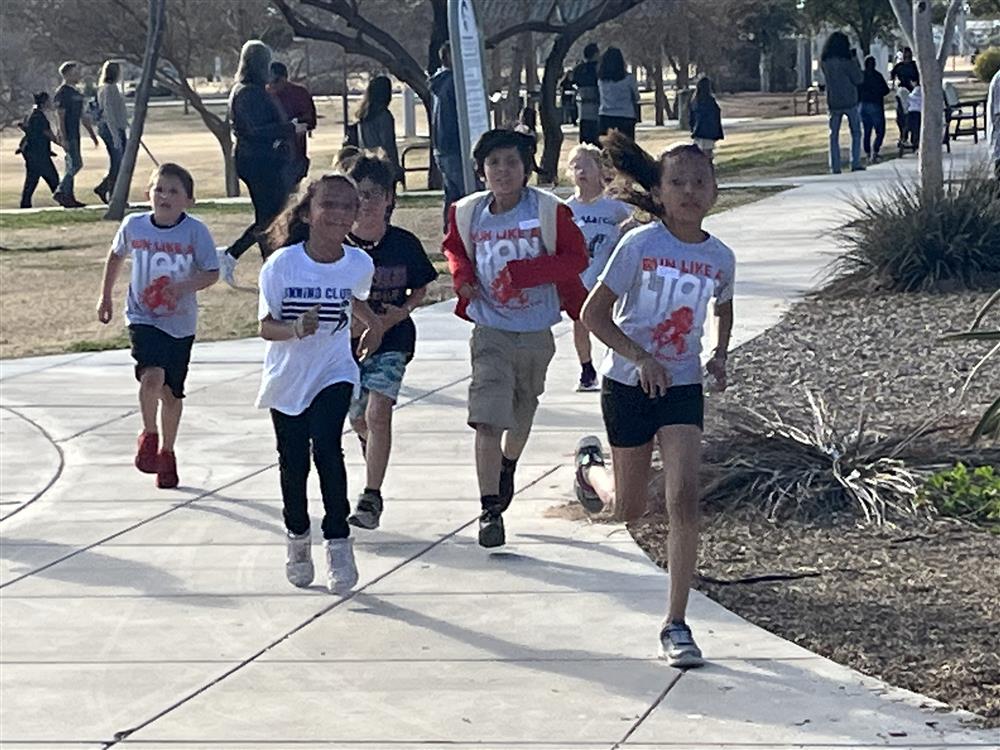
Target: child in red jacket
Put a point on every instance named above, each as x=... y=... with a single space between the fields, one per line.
x=516 y=256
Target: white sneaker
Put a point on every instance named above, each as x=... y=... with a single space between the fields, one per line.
x=342 y=572
x=298 y=560
x=227 y=266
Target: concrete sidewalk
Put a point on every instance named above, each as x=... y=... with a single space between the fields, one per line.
x=162 y=619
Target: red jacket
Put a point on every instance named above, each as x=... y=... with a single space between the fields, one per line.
x=562 y=267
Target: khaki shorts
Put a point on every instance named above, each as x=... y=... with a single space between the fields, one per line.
x=508 y=376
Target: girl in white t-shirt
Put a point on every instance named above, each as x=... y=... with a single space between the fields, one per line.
x=601 y=219
x=309 y=290
x=649 y=307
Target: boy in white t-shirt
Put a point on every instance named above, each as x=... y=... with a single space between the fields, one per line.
x=649 y=307
x=173 y=257
x=309 y=290
x=600 y=218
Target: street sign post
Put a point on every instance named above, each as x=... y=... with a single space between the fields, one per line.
x=470 y=86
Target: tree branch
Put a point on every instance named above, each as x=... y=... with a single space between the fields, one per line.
x=904 y=15
x=949 y=32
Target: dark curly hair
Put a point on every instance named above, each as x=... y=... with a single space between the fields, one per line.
x=493 y=140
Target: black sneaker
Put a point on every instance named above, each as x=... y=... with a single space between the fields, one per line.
x=491 y=532
x=507 y=469
x=588 y=453
x=368 y=511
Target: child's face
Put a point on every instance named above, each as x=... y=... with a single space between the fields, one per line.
x=375 y=202
x=169 y=199
x=687 y=188
x=504 y=171
x=586 y=172
x=333 y=210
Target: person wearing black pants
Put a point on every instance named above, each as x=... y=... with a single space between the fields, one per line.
x=263 y=151
x=310 y=289
x=321 y=425
x=35 y=148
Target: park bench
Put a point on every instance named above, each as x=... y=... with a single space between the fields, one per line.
x=962 y=117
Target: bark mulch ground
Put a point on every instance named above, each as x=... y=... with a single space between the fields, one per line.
x=916 y=603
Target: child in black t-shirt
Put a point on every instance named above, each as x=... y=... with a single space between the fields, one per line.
x=402 y=273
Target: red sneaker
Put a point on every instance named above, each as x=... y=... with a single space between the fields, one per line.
x=166 y=472
x=145 y=455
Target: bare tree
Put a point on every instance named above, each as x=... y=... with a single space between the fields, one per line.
x=916 y=19
x=21 y=75
x=156 y=23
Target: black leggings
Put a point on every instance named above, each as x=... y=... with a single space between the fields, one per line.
x=35 y=169
x=322 y=425
x=625 y=125
x=267 y=181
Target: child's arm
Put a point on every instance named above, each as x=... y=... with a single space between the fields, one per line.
x=194 y=283
x=596 y=316
x=568 y=262
x=463 y=273
x=112 y=267
x=395 y=315
x=717 y=364
x=306 y=324
x=371 y=339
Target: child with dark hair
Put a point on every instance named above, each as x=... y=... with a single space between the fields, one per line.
x=36 y=150
x=649 y=308
x=310 y=290
x=402 y=273
x=173 y=258
x=515 y=256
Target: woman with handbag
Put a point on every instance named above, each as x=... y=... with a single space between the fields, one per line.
x=263 y=150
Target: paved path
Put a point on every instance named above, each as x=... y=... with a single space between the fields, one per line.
x=162 y=619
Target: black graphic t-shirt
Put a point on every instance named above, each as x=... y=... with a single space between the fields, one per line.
x=70 y=101
x=401 y=265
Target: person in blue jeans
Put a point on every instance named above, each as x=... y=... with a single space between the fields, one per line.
x=872 y=93
x=444 y=132
x=843 y=76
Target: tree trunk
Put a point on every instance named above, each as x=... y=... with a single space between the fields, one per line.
x=659 y=94
x=932 y=119
x=551 y=117
x=764 y=69
x=154 y=38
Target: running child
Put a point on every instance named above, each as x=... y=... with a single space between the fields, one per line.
x=515 y=257
x=402 y=273
x=649 y=307
x=173 y=258
x=309 y=291
x=600 y=218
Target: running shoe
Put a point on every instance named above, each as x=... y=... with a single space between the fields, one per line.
x=298 y=559
x=227 y=267
x=589 y=452
x=166 y=470
x=677 y=646
x=368 y=511
x=491 y=531
x=342 y=571
x=148 y=446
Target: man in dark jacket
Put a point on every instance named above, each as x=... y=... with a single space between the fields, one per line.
x=444 y=131
x=297 y=104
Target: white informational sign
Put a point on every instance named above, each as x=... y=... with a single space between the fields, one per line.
x=470 y=89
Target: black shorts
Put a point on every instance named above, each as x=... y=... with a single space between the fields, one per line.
x=632 y=418
x=151 y=347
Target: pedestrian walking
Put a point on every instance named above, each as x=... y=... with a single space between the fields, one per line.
x=843 y=76
x=649 y=308
x=706 y=117
x=515 y=256
x=68 y=102
x=298 y=107
x=375 y=127
x=310 y=290
x=112 y=125
x=173 y=257
x=445 y=137
x=872 y=93
x=588 y=95
x=619 y=107
x=567 y=101
x=36 y=150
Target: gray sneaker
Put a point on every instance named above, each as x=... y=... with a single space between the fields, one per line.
x=342 y=571
x=368 y=511
x=589 y=452
x=298 y=560
x=677 y=646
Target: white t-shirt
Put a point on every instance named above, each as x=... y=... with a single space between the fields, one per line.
x=291 y=282
x=663 y=287
x=599 y=221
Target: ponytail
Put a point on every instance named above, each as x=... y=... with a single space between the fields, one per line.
x=641 y=172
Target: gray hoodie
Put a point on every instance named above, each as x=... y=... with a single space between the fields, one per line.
x=842 y=80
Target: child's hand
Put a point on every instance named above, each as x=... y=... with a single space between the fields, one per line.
x=653 y=377
x=393 y=315
x=370 y=341
x=307 y=323
x=716 y=367
x=467 y=291
x=104 y=310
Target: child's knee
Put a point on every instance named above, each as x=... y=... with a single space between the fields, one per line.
x=167 y=396
x=152 y=377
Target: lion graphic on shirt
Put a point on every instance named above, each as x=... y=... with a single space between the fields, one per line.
x=673 y=331
x=505 y=293
x=153 y=298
